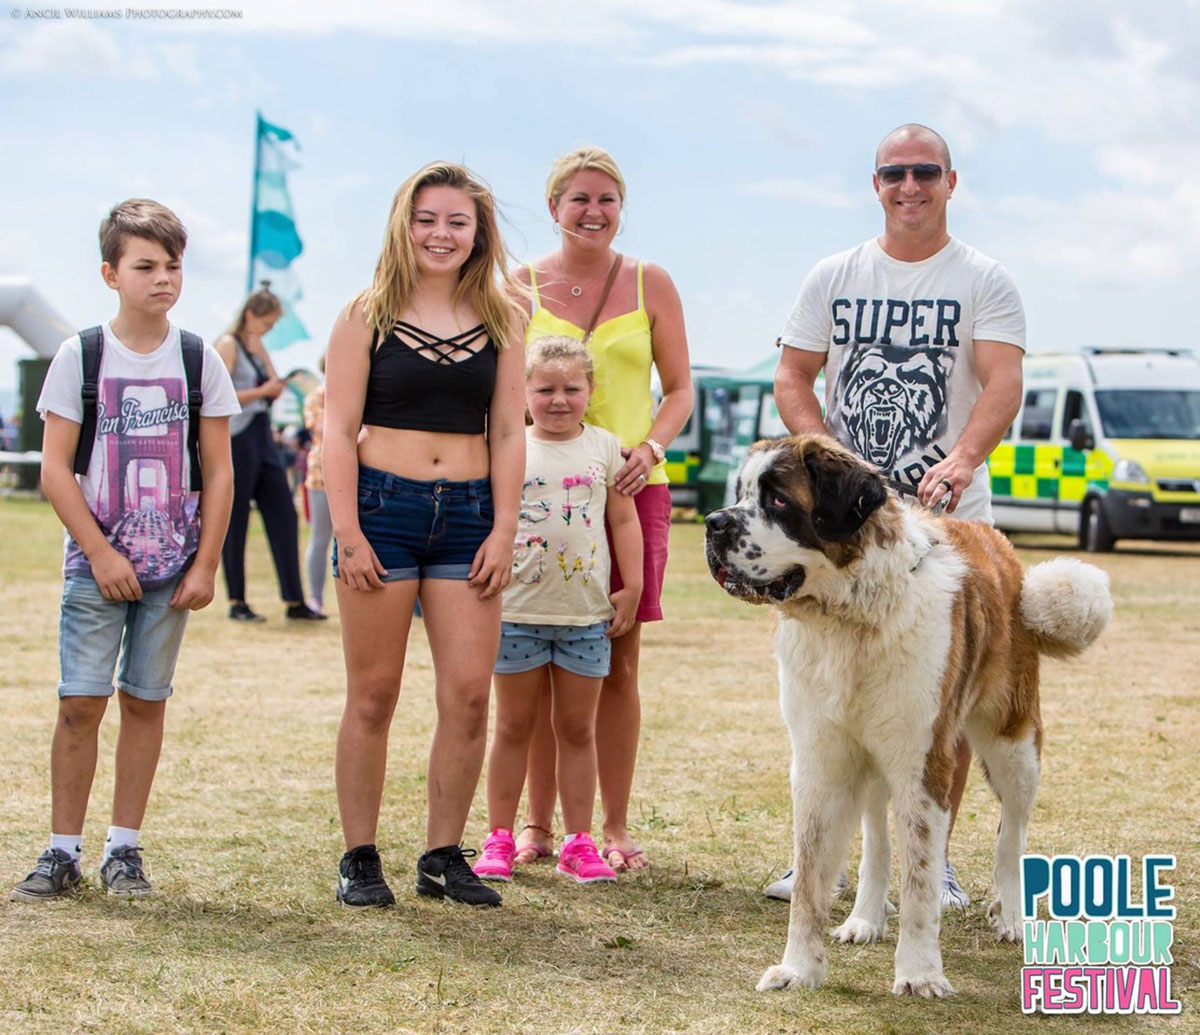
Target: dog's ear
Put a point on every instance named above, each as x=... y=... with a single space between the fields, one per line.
x=845 y=493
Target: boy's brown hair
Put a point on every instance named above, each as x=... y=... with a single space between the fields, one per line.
x=141 y=217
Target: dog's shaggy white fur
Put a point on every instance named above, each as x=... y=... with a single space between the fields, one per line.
x=899 y=632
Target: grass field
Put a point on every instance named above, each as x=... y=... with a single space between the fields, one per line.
x=242 y=838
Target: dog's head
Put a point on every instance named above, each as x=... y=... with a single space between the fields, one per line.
x=801 y=502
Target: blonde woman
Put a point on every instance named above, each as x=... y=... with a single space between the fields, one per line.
x=629 y=315
x=424 y=453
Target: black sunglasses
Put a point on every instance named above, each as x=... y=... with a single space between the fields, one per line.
x=923 y=172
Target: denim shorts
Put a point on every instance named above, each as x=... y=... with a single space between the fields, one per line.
x=582 y=649
x=92 y=630
x=422 y=530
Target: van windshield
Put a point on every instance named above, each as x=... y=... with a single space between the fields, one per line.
x=1149 y=413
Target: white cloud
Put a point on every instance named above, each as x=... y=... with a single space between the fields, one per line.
x=64 y=48
x=824 y=190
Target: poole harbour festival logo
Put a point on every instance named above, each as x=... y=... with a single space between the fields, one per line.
x=1104 y=945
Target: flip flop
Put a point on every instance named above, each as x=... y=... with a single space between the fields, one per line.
x=531 y=853
x=618 y=858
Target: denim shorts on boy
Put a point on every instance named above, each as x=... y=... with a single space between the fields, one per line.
x=422 y=530
x=92 y=630
x=582 y=649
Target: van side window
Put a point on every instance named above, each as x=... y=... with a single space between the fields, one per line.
x=1074 y=409
x=1037 y=420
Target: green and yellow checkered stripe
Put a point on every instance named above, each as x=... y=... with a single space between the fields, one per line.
x=1027 y=472
x=682 y=468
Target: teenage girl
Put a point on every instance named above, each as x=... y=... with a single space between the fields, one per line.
x=559 y=616
x=424 y=451
x=259 y=472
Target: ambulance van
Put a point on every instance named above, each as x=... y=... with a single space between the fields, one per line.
x=1106 y=447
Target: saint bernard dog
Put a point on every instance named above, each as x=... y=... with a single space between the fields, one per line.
x=899 y=631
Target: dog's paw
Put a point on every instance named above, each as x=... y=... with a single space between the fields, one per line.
x=782 y=976
x=929 y=986
x=1008 y=929
x=858 y=931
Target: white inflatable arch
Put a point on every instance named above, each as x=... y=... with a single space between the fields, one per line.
x=31 y=317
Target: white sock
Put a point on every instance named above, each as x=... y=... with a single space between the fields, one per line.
x=568 y=839
x=117 y=837
x=72 y=844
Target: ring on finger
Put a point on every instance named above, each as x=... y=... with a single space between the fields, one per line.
x=947 y=484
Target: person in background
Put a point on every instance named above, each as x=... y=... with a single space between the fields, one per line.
x=320 y=525
x=259 y=472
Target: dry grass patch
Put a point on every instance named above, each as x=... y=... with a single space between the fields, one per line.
x=242 y=837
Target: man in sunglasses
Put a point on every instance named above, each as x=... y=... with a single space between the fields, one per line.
x=921 y=338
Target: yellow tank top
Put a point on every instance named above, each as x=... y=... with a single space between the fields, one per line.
x=622 y=356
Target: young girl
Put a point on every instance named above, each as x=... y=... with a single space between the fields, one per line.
x=423 y=452
x=559 y=617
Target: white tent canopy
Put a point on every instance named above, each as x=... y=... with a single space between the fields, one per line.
x=31 y=317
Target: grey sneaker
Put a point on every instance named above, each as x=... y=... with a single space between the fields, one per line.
x=123 y=874
x=782 y=888
x=953 y=896
x=55 y=874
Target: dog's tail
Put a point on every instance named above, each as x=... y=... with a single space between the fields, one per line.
x=1066 y=604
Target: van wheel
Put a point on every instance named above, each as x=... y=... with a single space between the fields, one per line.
x=1097 y=536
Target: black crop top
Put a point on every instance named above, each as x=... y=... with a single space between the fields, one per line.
x=414 y=383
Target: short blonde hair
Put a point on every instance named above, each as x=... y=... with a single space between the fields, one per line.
x=576 y=161
x=558 y=348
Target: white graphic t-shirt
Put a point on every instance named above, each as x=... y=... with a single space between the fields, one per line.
x=137 y=484
x=560 y=558
x=900 y=376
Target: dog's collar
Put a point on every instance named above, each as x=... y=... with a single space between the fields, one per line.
x=927 y=552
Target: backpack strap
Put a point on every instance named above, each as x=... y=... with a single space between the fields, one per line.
x=193 y=367
x=91 y=348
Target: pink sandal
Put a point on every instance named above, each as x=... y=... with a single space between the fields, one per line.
x=618 y=858
x=531 y=853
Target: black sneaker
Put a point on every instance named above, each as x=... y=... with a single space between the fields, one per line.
x=122 y=875
x=304 y=613
x=55 y=874
x=445 y=873
x=360 y=879
x=241 y=613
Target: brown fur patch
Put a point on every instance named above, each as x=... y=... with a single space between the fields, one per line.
x=992 y=668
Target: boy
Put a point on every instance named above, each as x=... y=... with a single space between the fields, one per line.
x=142 y=547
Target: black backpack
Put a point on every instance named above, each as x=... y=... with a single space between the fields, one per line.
x=91 y=344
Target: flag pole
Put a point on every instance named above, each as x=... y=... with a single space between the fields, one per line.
x=254 y=201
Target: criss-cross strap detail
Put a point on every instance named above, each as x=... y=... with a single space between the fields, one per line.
x=442 y=350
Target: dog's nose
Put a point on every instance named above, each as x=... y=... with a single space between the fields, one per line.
x=718 y=521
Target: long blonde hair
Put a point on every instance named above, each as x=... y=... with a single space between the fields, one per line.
x=484 y=281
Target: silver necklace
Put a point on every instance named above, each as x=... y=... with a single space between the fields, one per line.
x=576 y=289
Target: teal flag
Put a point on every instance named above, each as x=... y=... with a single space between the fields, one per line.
x=274 y=240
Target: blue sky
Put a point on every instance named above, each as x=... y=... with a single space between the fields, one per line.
x=746 y=132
